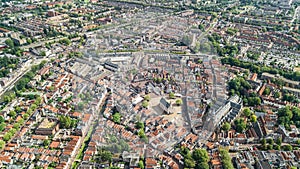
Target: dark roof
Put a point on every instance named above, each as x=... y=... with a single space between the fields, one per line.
x=112 y=65
x=165 y=103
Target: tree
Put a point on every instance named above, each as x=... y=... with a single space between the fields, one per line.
x=240 y=125
x=184 y=151
x=147 y=98
x=226 y=159
x=29 y=41
x=46 y=142
x=279 y=141
x=287 y=147
x=141 y=133
x=25 y=116
x=43 y=53
x=1 y=119
x=253 y=101
x=105 y=156
x=141 y=164
x=7 y=99
x=263 y=141
x=116 y=118
x=271 y=141
x=276 y=94
x=200 y=155
x=6 y=137
x=264 y=144
x=65 y=122
x=2 y=143
x=16 y=126
x=205 y=47
x=9 y=43
x=226 y=126
x=196 y=48
x=187 y=40
x=189 y=163
x=253 y=118
x=269 y=147
x=145 y=104
x=276 y=147
x=247 y=112
x=201 y=27
x=66 y=42
x=178 y=102
x=171 y=95
x=18 y=109
x=202 y=165
x=2 y=126
x=267 y=91
x=12 y=114
x=140 y=125
x=80 y=106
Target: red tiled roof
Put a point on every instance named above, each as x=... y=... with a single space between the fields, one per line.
x=54 y=144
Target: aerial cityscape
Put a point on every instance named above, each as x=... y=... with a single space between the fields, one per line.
x=150 y=84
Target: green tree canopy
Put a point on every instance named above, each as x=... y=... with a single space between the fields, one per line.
x=247 y=112
x=178 y=102
x=279 y=141
x=171 y=95
x=145 y=104
x=141 y=164
x=226 y=159
x=287 y=147
x=226 y=126
x=200 y=155
x=116 y=118
x=9 y=43
x=46 y=142
x=253 y=118
x=147 y=98
x=2 y=144
x=189 y=163
x=139 y=125
x=1 y=119
x=65 y=121
x=240 y=125
x=105 y=155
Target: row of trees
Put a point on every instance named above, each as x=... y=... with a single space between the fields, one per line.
x=22 y=83
x=260 y=68
x=289 y=115
x=117 y=145
x=13 y=48
x=230 y=50
x=289 y=97
x=6 y=64
x=198 y=159
x=65 y=41
x=116 y=118
x=2 y=124
x=226 y=159
x=253 y=55
x=66 y=122
x=271 y=144
x=240 y=124
x=242 y=87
